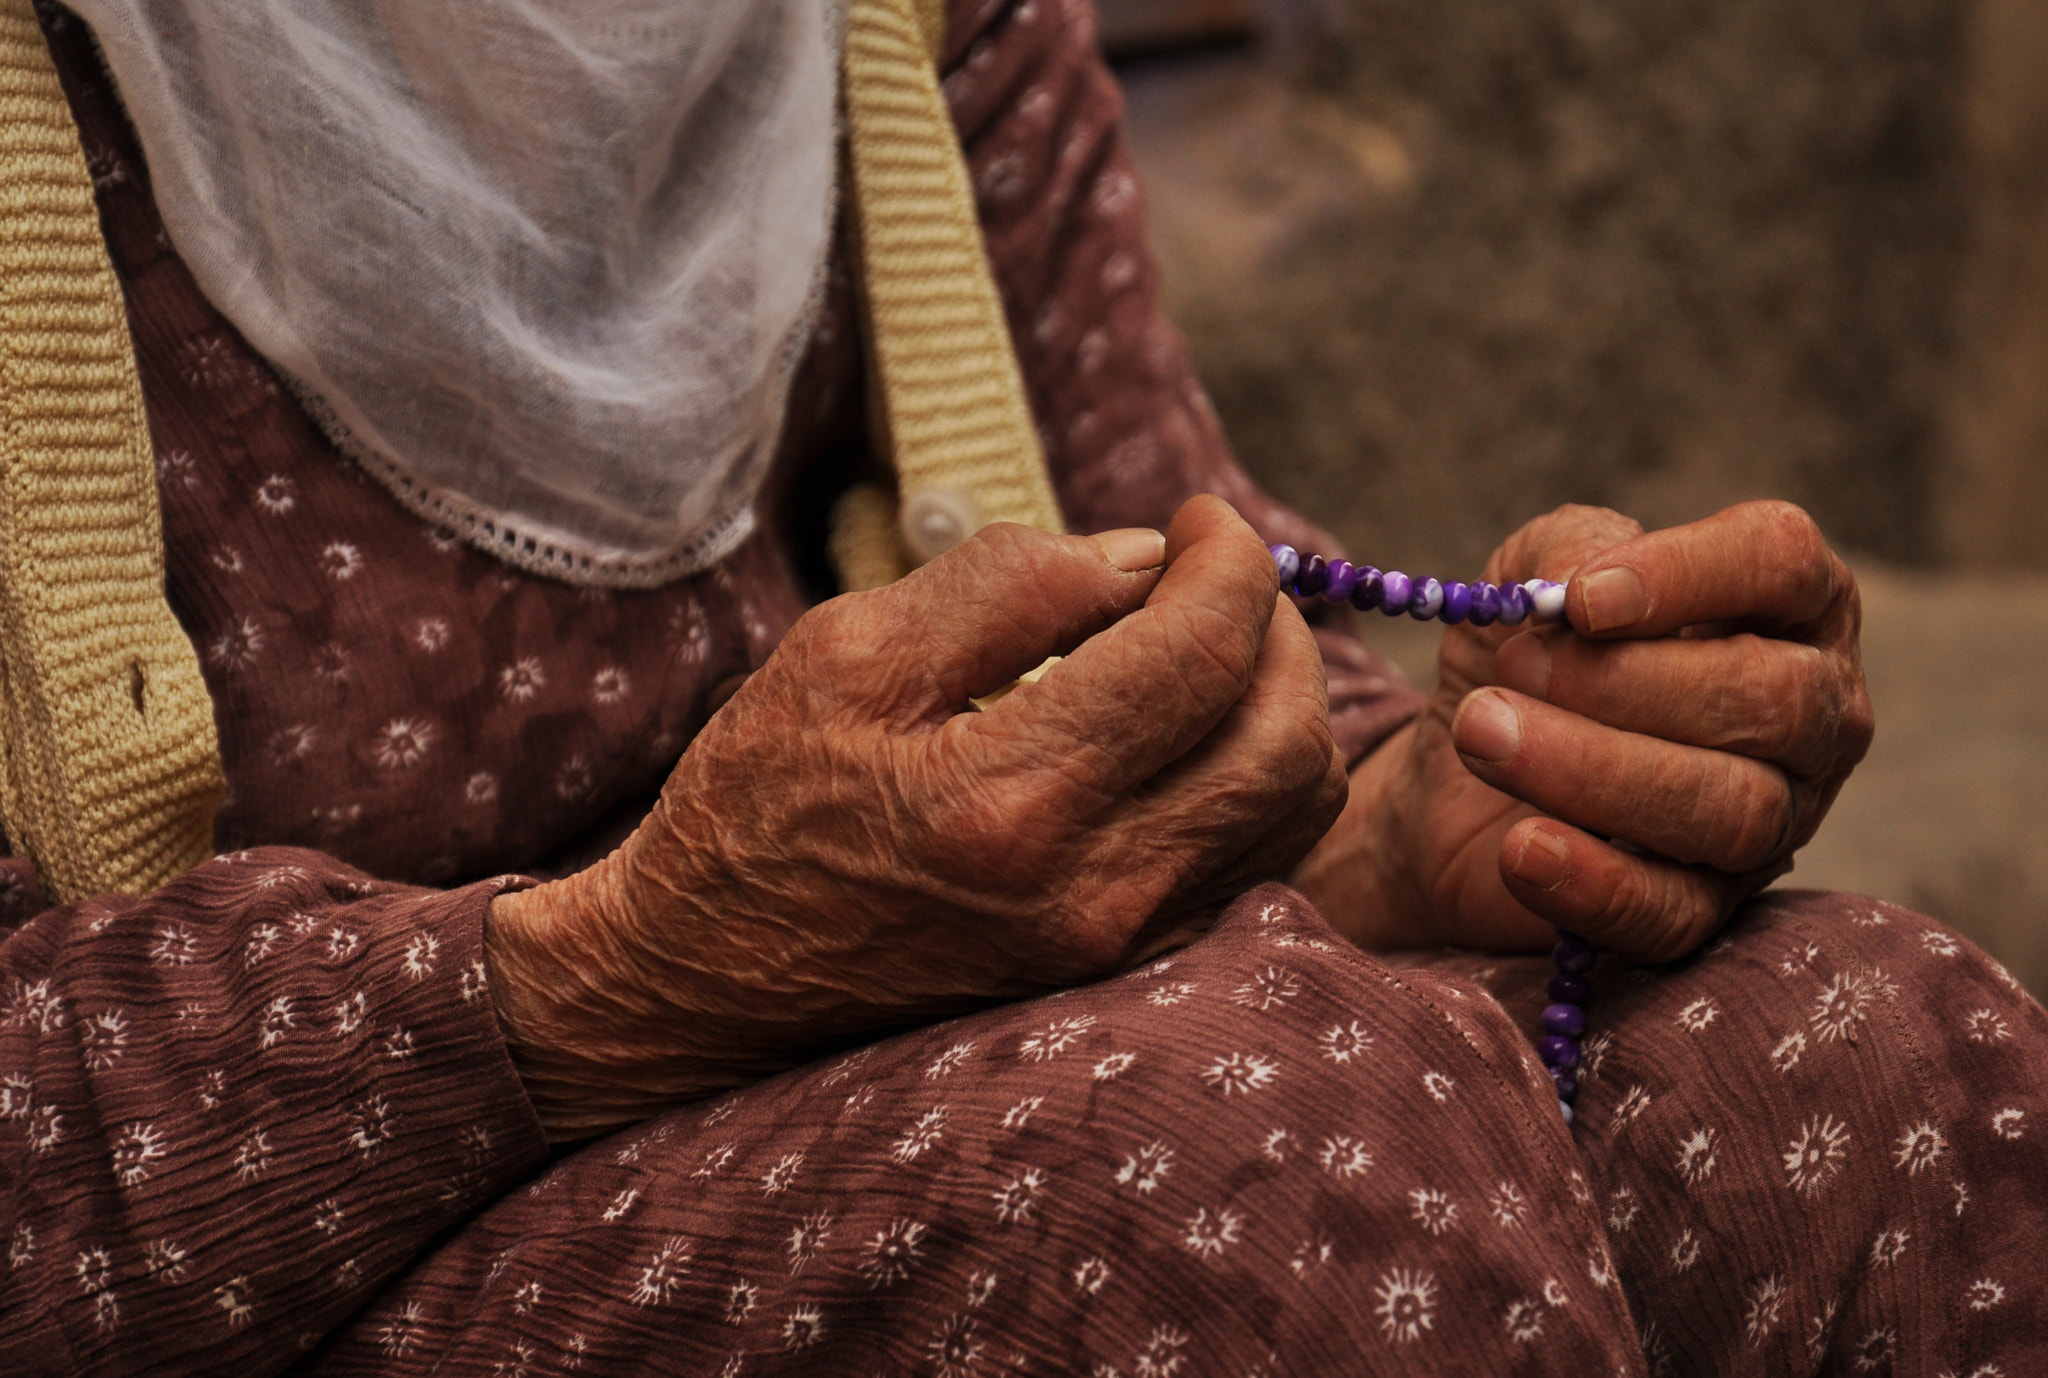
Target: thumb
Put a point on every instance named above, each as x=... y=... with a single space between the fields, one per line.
x=1000 y=602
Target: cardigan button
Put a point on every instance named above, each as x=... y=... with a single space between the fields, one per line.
x=934 y=520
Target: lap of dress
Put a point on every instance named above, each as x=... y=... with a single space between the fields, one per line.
x=1820 y=1146
x=1814 y=1148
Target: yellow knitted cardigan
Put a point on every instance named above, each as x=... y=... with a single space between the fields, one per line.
x=110 y=771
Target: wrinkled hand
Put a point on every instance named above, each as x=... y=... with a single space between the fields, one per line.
x=1632 y=777
x=844 y=849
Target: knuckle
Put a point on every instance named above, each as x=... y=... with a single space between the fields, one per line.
x=1006 y=541
x=1063 y=777
x=999 y=558
x=1628 y=915
x=1294 y=747
x=1858 y=726
x=1584 y=519
x=1799 y=557
x=1848 y=628
x=1752 y=710
x=1319 y=756
x=1576 y=531
x=1563 y=536
x=1822 y=713
x=1791 y=525
x=1826 y=700
x=1212 y=651
x=1008 y=830
x=1675 y=912
x=1799 y=716
x=1335 y=790
x=827 y=636
x=1750 y=810
x=1307 y=760
x=1812 y=719
x=1693 y=909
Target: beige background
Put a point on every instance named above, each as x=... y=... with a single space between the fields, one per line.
x=1445 y=266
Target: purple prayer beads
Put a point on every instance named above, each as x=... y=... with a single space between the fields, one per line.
x=1314 y=576
x=1395 y=593
x=1457 y=603
x=1564 y=1020
x=1343 y=581
x=1481 y=604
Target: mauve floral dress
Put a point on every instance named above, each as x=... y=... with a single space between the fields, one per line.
x=263 y=1119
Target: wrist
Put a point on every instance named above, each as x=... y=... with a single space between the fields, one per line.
x=596 y=1041
x=543 y=1008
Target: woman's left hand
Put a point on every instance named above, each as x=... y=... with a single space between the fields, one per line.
x=1631 y=777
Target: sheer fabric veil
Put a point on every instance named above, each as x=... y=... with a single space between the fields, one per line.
x=544 y=266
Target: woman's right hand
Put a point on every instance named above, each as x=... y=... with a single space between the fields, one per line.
x=845 y=848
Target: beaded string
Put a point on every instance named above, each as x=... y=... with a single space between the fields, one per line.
x=1395 y=593
x=1482 y=604
x=1564 y=1019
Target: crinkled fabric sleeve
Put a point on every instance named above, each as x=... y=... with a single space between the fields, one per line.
x=233 y=1109
x=1128 y=432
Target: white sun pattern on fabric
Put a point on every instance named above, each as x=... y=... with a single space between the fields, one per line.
x=1404 y=1284
x=1405 y=1300
x=563 y=320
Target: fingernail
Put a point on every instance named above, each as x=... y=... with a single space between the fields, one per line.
x=1542 y=862
x=1614 y=598
x=1132 y=548
x=1523 y=664
x=1488 y=727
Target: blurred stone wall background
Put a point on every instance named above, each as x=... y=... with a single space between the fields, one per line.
x=1444 y=266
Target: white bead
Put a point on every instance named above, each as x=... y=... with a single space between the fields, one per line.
x=1547 y=599
x=1432 y=600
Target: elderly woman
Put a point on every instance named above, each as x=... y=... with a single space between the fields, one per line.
x=504 y=373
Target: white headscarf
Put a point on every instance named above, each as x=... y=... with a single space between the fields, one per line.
x=545 y=266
